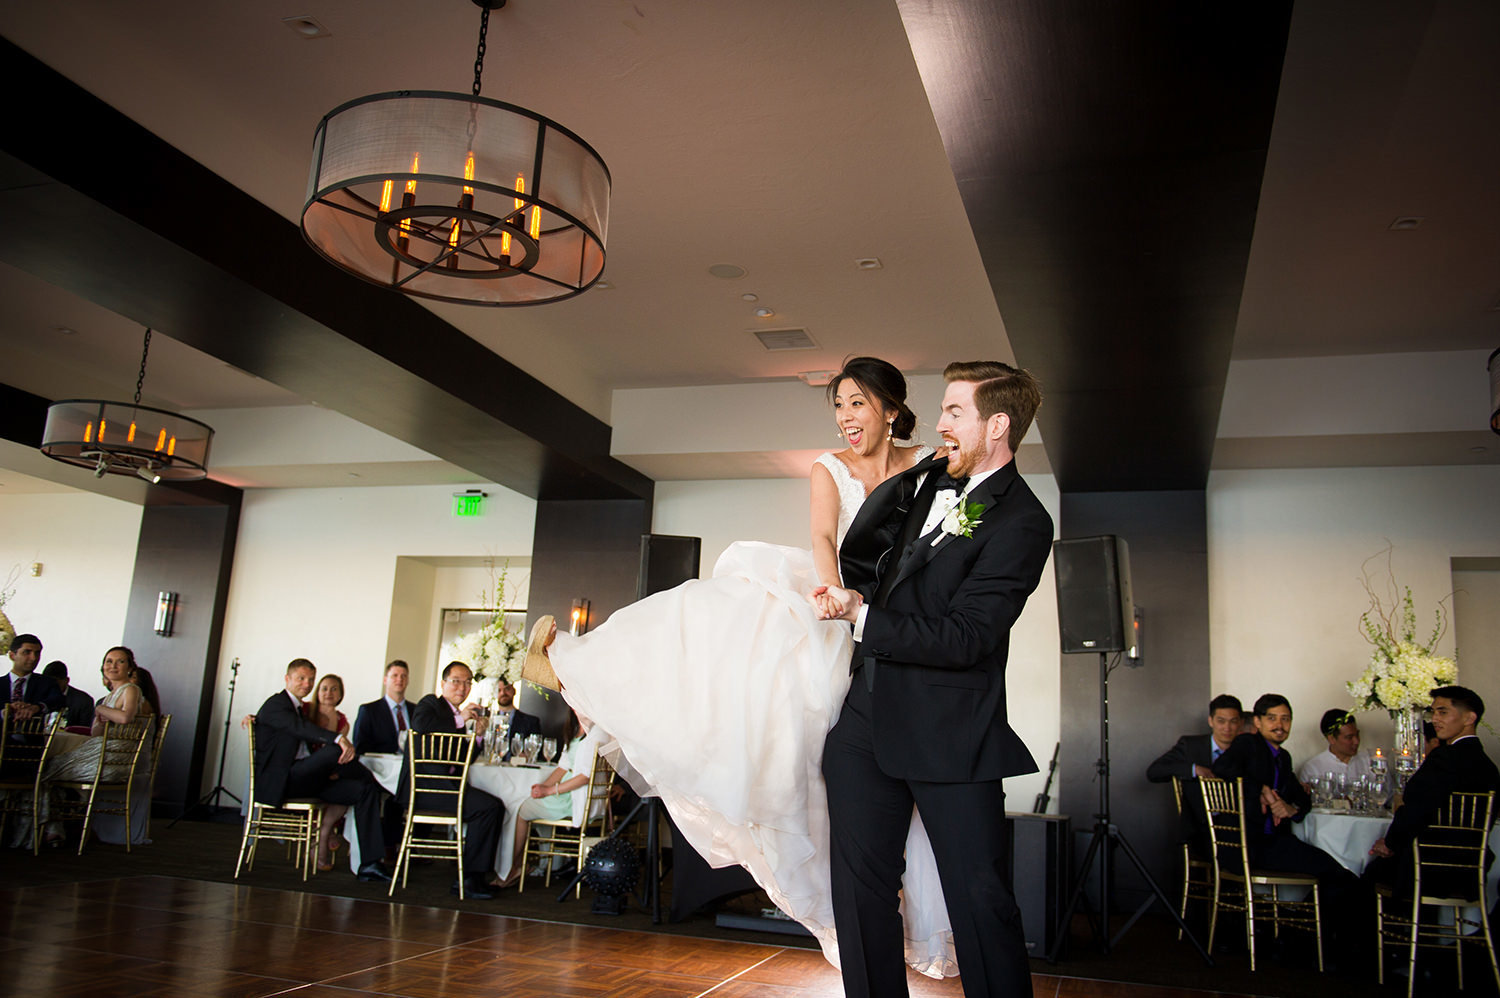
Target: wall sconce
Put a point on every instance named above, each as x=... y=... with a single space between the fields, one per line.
x=166 y=613
x=578 y=622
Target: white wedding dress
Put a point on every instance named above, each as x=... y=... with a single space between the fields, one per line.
x=716 y=697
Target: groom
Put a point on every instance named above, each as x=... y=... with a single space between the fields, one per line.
x=925 y=719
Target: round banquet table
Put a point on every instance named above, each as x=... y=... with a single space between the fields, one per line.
x=386 y=768
x=512 y=784
x=1348 y=838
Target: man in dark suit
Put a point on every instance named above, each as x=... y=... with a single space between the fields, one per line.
x=381 y=726
x=925 y=720
x=329 y=773
x=27 y=691
x=1273 y=799
x=482 y=812
x=80 y=706
x=516 y=721
x=1193 y=757
x=1459 y=765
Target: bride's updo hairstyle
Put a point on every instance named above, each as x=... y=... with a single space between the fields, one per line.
x=881 y=381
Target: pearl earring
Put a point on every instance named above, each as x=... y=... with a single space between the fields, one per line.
x=839 y=434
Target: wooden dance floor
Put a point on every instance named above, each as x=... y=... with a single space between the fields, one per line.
x=138 y=936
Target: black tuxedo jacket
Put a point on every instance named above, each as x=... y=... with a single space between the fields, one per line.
x=39 y=689
x=1179 y=760
x=375 y=728
x=936 y=645
x=1461 y=767
x=279 y=728
x=1249 y=757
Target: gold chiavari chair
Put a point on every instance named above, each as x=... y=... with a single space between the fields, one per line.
x=295 y=822
x=1234 y=880
x=565 y=838
x=438 y=774
x=114 y=774
x=1447 y=872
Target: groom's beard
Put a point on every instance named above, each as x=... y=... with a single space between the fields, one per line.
x=968 y=459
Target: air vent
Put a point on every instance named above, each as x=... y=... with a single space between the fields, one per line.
x=785 y=339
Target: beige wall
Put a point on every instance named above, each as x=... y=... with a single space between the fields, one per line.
x=86 y=544
x=1285 y=550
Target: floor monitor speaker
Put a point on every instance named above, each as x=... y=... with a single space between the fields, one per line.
x=1095 y=608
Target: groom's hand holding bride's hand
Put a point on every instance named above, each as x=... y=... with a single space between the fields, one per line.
x=836 y=603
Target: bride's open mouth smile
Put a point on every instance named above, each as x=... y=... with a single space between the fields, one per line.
x=853 y=434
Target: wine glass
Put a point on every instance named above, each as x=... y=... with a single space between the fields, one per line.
x=549 y=749
x=517 y=748
x=533 y=746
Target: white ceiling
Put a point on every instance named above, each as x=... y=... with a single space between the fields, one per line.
x=792 y=139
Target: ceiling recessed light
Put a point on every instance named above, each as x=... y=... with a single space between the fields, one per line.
x=604 y=286
x=818 y=379
x=728 y=271
x=65 y=330
x=1478 y=449
x=869 y=263
x=1406 y=223
x=765 y=313
x=354 y=474
x=307 y=26
x=747 y=296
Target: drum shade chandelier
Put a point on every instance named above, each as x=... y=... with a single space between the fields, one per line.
x=127 y=438
x=456 y=197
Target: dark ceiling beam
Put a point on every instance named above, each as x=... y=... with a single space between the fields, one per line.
x=1109 y=156
x=96 y=204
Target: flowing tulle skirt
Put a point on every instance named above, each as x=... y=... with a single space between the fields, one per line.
x=716 y=697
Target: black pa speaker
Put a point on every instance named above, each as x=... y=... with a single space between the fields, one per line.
x=1095 y=611
x=667 y=561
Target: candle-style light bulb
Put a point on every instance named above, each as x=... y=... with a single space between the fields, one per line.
x=385 y=196
x=161 y=438
x=536 y=222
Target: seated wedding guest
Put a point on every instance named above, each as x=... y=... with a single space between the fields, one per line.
x=482 y=812
x=381 y=726
x=331 y=773
x=25 y=690
x=1459 y=765
x=517 y=721
x=1342 y=757
x=124 y=704
x=552 y=798
x=1430 y=740
x=1274 y=799
x=323 y=711
x=1193 y=758
x=79 y=712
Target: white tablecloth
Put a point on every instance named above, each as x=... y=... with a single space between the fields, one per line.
x=1348 y=838
x=512 y=784
x=386 y=768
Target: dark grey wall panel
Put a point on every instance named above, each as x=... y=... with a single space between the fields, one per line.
x=1149 y=707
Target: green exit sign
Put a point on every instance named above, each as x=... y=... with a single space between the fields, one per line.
x=468 y=503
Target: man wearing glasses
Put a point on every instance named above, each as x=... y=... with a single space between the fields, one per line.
x=482 y=812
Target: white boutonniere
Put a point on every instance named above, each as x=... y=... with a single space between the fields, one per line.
x=960 y=520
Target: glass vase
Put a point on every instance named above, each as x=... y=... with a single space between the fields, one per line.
x=1409 y=741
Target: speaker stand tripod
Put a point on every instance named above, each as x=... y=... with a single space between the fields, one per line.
x=219 y=789
x=1101 y=848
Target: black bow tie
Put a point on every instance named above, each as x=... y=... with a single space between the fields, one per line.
x=947 y=481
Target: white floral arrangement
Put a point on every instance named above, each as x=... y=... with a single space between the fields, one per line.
x=494 y=651
x=1402 y=672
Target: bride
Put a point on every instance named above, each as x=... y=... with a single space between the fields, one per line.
x=716 y=696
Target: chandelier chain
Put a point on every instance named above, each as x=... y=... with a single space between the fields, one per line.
x=484 y=30
x=141 y=378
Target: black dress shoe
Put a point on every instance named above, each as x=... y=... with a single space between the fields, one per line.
x=371 y=873
x=476 y=890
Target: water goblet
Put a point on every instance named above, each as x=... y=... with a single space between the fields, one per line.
x=533 y=746
x=517 y=747
x=549 y=749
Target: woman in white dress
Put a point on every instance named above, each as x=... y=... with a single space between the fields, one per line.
x=716 y=696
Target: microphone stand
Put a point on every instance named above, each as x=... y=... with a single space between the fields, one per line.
x=219 y=789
